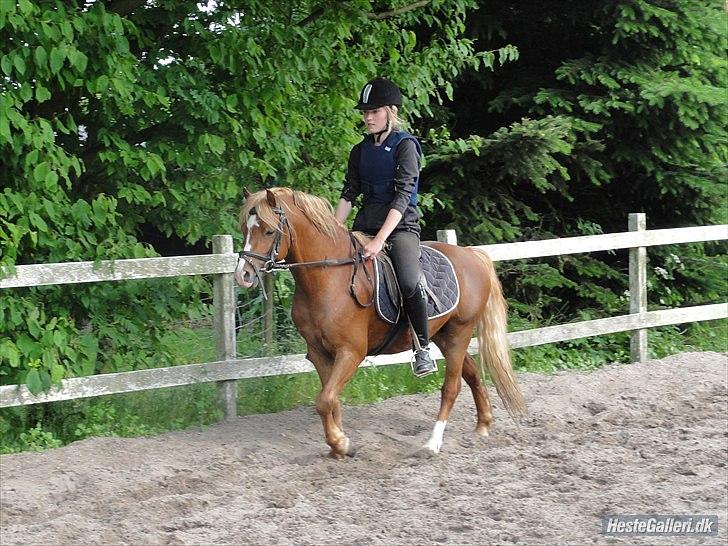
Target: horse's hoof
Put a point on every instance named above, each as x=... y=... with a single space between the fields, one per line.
x=482 y=430
x=344 y=449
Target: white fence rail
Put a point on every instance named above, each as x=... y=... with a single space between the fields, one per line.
x=228 y=369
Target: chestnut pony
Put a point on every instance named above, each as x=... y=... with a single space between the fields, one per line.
x=287 y=229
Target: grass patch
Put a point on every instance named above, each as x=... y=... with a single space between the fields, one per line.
x=370 y=384
x=152 y=412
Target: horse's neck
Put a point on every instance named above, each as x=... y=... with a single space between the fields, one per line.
x=312 y=246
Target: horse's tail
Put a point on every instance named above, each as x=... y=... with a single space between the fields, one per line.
x=493 y=343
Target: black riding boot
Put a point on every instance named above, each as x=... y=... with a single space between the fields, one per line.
x=416 y=308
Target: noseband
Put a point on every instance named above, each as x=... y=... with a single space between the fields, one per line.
x=269 y=260
x=270 y=264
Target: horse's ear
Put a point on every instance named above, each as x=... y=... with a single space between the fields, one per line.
x=246 y=192
x=271 y=198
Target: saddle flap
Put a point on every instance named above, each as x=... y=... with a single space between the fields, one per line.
x=388 y=298
x=441 y=286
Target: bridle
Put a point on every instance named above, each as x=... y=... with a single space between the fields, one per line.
x=270 y=264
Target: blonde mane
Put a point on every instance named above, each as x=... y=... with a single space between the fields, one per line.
x=317 y=210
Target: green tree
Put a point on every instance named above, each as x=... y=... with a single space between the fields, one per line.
x=126 y=122
x=612 y=107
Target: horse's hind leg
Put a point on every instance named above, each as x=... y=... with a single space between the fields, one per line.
x=454 y=346
x=480 y=394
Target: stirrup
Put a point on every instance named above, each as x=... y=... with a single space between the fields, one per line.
x=429 y=367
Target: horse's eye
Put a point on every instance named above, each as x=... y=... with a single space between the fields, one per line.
x=270 y=232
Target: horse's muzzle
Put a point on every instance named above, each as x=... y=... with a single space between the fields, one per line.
x=244 y=275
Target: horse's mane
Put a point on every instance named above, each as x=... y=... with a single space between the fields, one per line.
x=317 y=210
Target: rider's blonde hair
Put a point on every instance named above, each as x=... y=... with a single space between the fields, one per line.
x=395 y=122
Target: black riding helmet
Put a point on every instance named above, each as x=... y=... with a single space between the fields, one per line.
x=379 y=92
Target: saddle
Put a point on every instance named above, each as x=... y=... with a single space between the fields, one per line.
x=441 y=286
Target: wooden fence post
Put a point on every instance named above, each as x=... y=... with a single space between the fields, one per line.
x=447 y=236
x=638 y=288
x=224 y=322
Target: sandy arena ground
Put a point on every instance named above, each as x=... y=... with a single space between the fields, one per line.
x=629 y=439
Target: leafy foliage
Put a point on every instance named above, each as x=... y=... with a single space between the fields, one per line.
x=128 y=128
x=611 y=108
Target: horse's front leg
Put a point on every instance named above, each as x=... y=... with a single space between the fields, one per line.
x=328 y=404
x=324 y=363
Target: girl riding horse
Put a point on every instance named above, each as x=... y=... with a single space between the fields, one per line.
x=287 y=229
x=384 y=168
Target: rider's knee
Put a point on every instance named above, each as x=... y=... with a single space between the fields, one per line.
x=410 y=285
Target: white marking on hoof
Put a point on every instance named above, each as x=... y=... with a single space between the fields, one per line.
x=434 y=444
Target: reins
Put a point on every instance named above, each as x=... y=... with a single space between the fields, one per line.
x=282 y=265
x=271 y=265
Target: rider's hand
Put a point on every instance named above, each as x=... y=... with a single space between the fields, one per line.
x=372 y=248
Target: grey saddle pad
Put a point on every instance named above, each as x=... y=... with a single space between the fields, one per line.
x=442 y=288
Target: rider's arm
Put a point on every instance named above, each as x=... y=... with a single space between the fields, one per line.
x=374 y=247
x=408 y=169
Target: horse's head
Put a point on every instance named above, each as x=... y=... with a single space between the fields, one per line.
x=268 y=236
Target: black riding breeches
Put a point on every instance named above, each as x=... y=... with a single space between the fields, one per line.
x=405 y=253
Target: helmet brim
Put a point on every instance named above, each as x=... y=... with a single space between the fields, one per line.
x=373 y=106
